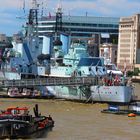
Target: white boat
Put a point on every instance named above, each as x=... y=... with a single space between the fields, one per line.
x=15 y=92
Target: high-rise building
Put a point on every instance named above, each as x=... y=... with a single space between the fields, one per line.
x=129 y=42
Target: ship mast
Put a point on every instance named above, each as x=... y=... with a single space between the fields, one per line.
x=58 y=23
x=34 y=4
x=33 y=16
x=31 y=41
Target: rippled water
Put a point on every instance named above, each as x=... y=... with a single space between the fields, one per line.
x=79 y=121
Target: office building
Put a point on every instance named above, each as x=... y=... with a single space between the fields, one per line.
x=82 y=27
x=129 y=42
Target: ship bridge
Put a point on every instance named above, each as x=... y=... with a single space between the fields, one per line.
x=49 y=81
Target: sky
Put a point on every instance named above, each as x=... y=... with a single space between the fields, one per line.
x=13 y=13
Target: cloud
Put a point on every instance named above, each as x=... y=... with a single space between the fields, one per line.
x=10 y=4
x=100 y=7
x=121 y=7
x=70 y=5
x=10 y=9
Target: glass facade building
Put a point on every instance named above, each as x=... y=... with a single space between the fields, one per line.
x=81 y=26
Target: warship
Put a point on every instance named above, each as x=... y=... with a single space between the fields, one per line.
x=35 y=56
x=78 y=63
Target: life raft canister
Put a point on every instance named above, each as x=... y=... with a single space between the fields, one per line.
x=131 y=115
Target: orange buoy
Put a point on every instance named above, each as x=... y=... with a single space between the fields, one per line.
x=131 y=115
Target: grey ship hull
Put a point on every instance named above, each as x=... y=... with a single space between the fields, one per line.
x=116 y=94
x=110 y=94
x=70 y=93
x=120 y=94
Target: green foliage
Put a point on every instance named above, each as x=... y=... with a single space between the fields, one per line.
x=129 y=73
x=136 y=72
x=133 y=73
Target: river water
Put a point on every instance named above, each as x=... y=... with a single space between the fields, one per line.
x=79 y=121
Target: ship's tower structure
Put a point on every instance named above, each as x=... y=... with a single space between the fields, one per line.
x=31 y=41
x=33 y=19
x=57 y=44
x=29 y=47
x=58 y=23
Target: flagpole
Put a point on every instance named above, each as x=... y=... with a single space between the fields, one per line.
x=125 y=67
x=24 y=6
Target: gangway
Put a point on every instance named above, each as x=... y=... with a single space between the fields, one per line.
x=50 y=81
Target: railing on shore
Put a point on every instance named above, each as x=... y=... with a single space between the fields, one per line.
x=136 y=79
x=50 y=81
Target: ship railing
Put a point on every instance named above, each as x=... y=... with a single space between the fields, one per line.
x=51 y=81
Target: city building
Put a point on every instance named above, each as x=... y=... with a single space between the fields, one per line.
x=93 y=43
x=81 y=26
x=4 y=44
x=109 y=52
x=3 y=38
x=129 y=43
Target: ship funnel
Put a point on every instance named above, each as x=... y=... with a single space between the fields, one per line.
x=47 y=43
x=65 y=42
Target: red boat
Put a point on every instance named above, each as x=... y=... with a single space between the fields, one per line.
x=16 y=122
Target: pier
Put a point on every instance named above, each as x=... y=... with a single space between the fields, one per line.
x=50 y=81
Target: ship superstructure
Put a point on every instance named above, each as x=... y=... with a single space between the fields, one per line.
x=76 y=62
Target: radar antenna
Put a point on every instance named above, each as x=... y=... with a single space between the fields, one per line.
x=42 y=9
x=58 y=23
x=33 y=15
x=34 y=4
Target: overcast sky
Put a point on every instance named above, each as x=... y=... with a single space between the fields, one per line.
x=12 y=15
